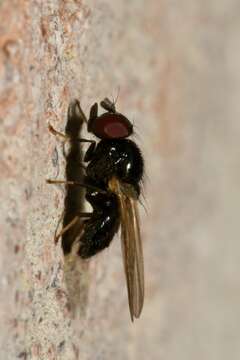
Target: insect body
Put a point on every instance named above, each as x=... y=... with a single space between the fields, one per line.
x=117 y=159
x=113 y=175
x=102 y=225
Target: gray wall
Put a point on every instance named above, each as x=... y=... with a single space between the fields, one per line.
x=177 y=66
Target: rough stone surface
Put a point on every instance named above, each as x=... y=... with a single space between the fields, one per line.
x=177 y=67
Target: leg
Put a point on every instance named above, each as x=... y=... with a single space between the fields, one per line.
x=55 y=233
x=77 y=183
x=93 y=116
x=57 y=133
x=66 y=137
x=70 y=225
x=93 y=112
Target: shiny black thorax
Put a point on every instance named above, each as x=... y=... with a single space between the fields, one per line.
x=122 y=159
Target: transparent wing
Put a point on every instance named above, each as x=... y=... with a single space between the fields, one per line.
x=132 y=253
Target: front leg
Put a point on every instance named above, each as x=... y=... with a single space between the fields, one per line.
x=67 y=137
x=76 y=117
x=92 y=116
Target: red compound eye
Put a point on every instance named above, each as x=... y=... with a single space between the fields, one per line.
x=111 y=126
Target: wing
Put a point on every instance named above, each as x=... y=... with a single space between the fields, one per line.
x=132 y=253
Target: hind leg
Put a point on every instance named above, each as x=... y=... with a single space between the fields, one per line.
x=70 y=224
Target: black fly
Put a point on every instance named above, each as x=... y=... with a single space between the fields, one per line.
x=113 y=173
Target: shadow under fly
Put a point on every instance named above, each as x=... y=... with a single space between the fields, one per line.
x=112 y=181
x=74 y=198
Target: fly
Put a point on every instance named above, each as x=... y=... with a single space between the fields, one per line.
x=113 y=174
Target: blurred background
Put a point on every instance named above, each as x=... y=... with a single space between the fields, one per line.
x=177 y=67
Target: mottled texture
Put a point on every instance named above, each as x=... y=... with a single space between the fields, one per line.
x=177 y=66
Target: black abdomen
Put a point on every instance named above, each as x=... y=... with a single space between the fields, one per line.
x=102 y=225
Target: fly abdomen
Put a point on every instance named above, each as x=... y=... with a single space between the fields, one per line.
x=102 y=225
